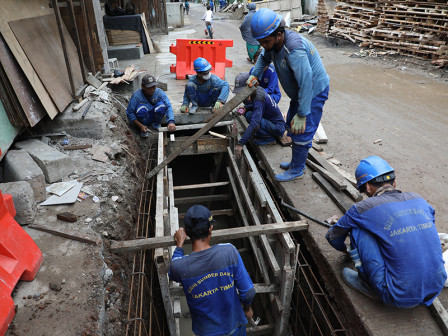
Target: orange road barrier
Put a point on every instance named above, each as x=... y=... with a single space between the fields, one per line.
x=186 y=51
x=20 y=259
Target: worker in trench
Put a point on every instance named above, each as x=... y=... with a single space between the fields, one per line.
x=148 y=106
x=217 y=286
x=265 y=120
x=302 y=76
x=204 y=89
x=393 y=241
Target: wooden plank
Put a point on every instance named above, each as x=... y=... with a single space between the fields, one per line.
x=194 y=126
x=218 y=236
x=147 y=34
x=201 y=199
x=440 y=314
x=338 y=183
x=317 y=158
x=339 y=198
x=41 y=33
x=223 y=111
x=76 y=147
x=202 y=185
x=85 y=238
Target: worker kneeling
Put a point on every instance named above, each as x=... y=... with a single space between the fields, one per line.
x=393 y=241
x=217 y=286
x=148 y=106
x=265 y=120
x=204 y=89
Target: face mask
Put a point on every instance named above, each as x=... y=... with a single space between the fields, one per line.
x=207 y=76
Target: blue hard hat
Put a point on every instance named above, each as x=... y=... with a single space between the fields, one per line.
x=371 y=168
x=201 y=65
x=264 y=23
x=198 y=214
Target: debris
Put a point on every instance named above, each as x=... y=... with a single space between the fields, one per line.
x=95 y=199
x=67 y=198
x=99 y=153
x=77 y=147
x=377 y=141
x=113 y=118
x=64 y=142
x=67 y=217
x=92 y=80
x=81 y=104
x=85 y=238
x=55 y=286
x=335 y=161
x=61 y=188
x=114 y=198
x=88 y=220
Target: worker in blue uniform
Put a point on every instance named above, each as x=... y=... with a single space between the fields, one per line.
x=303 y=77
x=204 y=89
x=148 y=106
x=393 y=241
x=268 y=80
x=217 y=286
x=265 y=120
x=252 y=45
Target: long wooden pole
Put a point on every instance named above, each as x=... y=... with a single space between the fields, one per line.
x=218 y=236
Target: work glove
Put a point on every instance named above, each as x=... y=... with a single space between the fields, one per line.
x=298 y=124
x=252 y=81
x=184 y=109
x=217 y=106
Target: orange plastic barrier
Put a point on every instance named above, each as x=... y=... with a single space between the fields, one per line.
x=186 y=51
x=20 y=259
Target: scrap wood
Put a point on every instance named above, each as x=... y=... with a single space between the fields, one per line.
x=339 y=198
x=81 y=104
x=337 y=182
x=129 y=75
x=85 y=238
x=77 y=147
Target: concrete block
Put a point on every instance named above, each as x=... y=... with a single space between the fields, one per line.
x=93 y=126
x=24 y=202
x=125 y=52
x=19 y=166
x=54 y=164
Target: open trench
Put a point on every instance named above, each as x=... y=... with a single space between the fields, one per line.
x=290 y=299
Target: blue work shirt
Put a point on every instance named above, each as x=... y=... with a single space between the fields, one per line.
x=269 y=82
x=139 y=98
x=214 y=82
x=210 y=279
x=246 y=31
x=263 y=106
x=403 y=225
x=299 y=69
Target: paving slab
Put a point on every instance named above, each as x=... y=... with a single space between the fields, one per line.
x=54 y=164
x=23 y=197
x=19 y=166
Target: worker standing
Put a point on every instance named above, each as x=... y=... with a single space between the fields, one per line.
x=393 y=241
x=264 y=117
x=268 y=79
x=252 y=45
x=303 y=77
x=204 y=89
x=148 y=106
x=217 y=286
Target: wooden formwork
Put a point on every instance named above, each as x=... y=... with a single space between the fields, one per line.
x=275 y=256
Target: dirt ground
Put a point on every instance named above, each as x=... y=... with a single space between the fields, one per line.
x=371 y=98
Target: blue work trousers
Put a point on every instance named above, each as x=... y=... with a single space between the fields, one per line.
x=267 y=128
x=199 y=98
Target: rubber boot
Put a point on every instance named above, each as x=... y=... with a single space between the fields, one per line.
x=297 y=166
x=352 y=279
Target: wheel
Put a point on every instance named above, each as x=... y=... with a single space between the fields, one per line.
x=210 y=32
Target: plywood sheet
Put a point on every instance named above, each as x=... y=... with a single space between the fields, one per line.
x=41 y=34
x=30 y=103
x=12 y=10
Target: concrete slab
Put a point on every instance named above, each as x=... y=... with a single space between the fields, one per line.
x=54 y=164
x=92 y=126
x=125 y=52
x=20 y=166
x=23 y=197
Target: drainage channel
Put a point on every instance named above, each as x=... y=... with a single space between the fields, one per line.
x=290 y=299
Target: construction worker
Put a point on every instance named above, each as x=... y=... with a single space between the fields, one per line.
x=217 y=286
x=204 y=89
x=269 y=79
x=393 y=241
x=252 y=45
x=303 y=77
x=148 y=106
x=265 y=120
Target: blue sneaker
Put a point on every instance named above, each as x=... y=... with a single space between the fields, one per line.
x=352 y=279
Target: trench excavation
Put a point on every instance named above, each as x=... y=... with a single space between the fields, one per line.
x=290 y=299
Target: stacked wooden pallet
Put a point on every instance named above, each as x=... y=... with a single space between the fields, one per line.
x=352 y=17
x=323 y=22
x=122 y=37
x=416 y=28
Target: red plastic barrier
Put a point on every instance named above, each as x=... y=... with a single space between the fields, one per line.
x=20 y=259
x=214 y=51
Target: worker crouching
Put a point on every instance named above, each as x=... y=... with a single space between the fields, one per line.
x=393 y=241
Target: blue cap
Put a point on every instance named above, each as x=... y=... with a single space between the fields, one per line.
x=198 y=214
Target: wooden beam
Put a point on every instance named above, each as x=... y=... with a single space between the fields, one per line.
x=218 y=236
x=195 y=126
x=440 y=314
x=200 y=199
x=338 y=183
x=339 y=198
x=202 y=185
x=223 y=111
x=85 y=238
